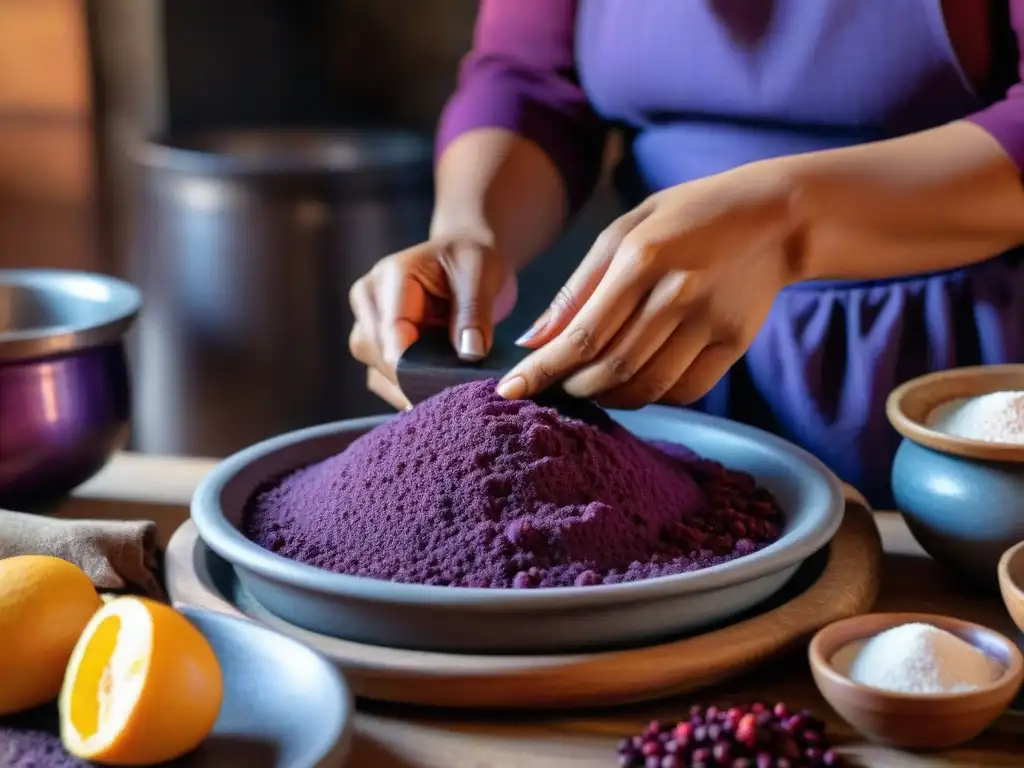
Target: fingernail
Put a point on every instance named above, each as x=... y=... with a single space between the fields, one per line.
x=534 y=330
x=513 y=389
x=391 y=355
x=471 y=344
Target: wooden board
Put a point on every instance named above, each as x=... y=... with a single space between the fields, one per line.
x=847 y=586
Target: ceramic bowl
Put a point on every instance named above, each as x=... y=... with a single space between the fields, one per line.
x=914 y=721
x=284 y=705
x=962 y=499
x=1011 y=582
x=64 y=387
x=565 y=619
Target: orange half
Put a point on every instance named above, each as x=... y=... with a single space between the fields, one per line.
x=143 y=686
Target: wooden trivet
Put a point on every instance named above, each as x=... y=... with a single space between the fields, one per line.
x=841 y=581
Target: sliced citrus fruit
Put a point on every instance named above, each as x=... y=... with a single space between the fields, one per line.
x=45 y=603
x=143 y=686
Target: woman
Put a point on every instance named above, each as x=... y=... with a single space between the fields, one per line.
x=822 y=190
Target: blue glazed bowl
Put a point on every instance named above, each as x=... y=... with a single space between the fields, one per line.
x=284 y=705
x=64 y=387
x=963 y=500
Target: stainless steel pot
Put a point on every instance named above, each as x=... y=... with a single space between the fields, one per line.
x=248 y=244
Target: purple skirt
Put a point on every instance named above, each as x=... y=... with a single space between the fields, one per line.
x=830 y=353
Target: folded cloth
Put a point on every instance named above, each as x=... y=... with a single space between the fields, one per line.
x=115 y=554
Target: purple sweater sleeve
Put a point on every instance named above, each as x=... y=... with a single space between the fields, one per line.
x=1005 y=119
x=521 y=75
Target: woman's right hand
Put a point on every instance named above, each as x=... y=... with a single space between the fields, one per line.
x=458 y=281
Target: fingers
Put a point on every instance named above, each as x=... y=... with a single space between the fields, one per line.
x=583 y=281
x=645 y=333
x=658 y=377
x=476 y=279
x=386 y=390
x=610 y=306
x=404 y=307
x=362 y=341
x=388 y=306
x=461 y=285
x=706 y=370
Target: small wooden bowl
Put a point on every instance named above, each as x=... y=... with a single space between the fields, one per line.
x=909 y=405
x=1011 y=582
x=914 y=721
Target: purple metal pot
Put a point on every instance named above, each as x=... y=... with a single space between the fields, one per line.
x=65 y=402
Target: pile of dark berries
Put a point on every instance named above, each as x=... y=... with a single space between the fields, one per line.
x=743 y=511
x=751 y=736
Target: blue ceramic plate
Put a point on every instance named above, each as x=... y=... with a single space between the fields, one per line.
x=284 y=705
x=524 y=621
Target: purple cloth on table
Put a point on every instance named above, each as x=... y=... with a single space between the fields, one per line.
x=702 y=87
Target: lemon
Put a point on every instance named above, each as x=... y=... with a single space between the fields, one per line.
x=143 y=686
x=45 y=603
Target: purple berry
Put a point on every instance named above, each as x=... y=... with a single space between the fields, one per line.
x=722 y=752
x=811 y=738
x=651 y=748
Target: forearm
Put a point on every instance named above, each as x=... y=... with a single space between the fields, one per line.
x=934 y=200
x=501 y=188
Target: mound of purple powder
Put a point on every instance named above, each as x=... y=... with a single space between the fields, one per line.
x=470 y=490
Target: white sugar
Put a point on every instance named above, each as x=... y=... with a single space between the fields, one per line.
x=994 y=418
x=917 y=658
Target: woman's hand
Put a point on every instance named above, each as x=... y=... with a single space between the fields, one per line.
x=458 y=281
x=670 y=295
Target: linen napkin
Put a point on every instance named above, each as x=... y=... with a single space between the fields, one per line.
x=115 y=554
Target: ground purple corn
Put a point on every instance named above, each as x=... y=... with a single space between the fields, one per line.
x=471 y=490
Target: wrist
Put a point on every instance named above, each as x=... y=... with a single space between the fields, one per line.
x=446 y=225
x=777 y=189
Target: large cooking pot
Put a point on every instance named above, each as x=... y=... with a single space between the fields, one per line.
x=249 y=242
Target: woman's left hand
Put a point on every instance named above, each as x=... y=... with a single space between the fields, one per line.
x=670 y=295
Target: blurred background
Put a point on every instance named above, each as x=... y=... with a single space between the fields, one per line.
x=242 y=162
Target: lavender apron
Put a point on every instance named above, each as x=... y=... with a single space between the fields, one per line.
x=717 y=86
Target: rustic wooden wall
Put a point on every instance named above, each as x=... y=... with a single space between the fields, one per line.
x=47 y=169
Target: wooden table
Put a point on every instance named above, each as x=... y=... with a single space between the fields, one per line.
x=388 y=737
